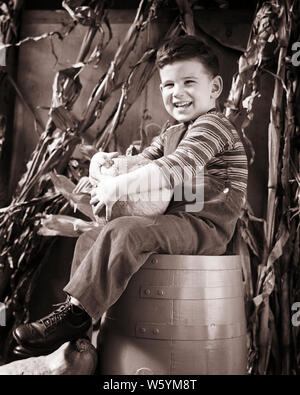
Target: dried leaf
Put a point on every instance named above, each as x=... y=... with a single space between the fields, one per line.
x=36 y=38
x=66 y=86
x=80 y=201
x=64 y=119
x=85 y=16
x=63 y=225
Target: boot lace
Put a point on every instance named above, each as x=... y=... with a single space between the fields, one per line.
x=56 y=317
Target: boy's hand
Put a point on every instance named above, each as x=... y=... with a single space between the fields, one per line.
x=98 y=160
x=106 y=193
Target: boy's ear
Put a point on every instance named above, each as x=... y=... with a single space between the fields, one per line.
x=161 y=87
x=217 y=87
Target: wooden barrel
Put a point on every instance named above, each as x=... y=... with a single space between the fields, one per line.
x=179 y=315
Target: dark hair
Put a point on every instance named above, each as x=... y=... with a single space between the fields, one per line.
x=185 y=48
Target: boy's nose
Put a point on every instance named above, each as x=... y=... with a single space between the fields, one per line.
x=177 y=91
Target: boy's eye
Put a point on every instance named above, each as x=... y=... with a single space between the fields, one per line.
x=168 y=85
x=189 y=82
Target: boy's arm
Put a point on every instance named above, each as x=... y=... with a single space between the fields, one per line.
x=203 y=141
x=154 y=151
x=112 y=189
x=104 y=160
x=144 y=179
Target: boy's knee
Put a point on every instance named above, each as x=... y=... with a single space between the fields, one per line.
x=123 y=228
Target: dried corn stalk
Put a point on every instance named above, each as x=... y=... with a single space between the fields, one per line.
x=272 y=266
x=141 y=73
x=61 y=135
x=9 y=15
x=131 y=89
x=19 y=243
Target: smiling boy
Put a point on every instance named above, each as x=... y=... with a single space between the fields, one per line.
x=202 y=149
x=188 y=89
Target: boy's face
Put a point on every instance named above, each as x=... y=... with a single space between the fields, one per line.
x=188 y=90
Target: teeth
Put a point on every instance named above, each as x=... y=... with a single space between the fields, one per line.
x=182 y=104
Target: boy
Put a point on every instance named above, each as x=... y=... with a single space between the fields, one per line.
x=204 y=146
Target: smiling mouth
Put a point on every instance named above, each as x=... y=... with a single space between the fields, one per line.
x=182 y=104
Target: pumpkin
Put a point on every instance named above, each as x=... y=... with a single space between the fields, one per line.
x=72 y=358
x=141 y=204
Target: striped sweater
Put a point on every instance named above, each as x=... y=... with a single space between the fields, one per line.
x=211 y=141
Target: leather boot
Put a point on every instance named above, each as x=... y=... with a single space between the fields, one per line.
x=68 y=322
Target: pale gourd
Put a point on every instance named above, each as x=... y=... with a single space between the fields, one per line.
x=150 y=203
x=72 y=358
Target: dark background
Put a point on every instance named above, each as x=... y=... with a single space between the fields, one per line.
x=133 y=4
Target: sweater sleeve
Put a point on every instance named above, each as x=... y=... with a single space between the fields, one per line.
x=155 y=150
x=206 y=137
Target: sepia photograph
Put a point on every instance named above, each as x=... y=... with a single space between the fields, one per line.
x=149 y=190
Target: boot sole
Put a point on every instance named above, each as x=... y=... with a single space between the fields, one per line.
x=23 y=352
x=27 y=352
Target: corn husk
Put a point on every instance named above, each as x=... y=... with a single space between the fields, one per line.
x=272 y=349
